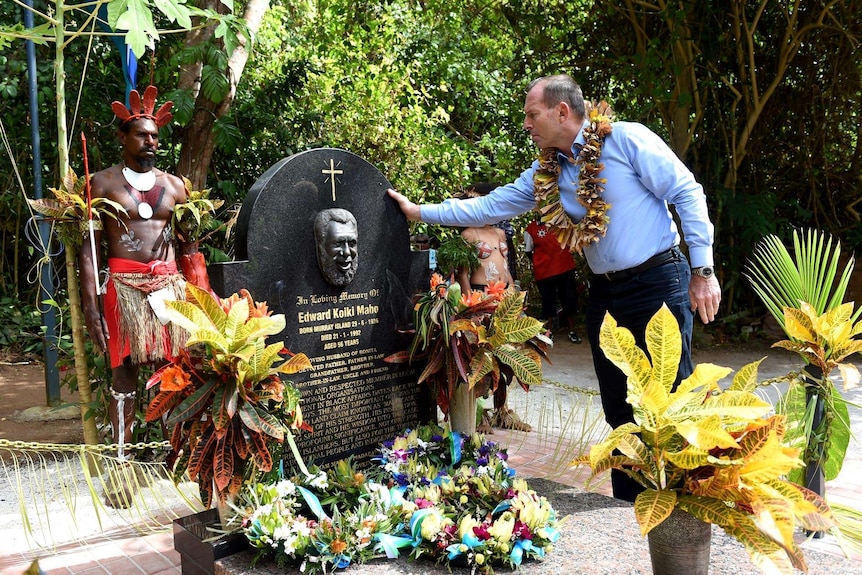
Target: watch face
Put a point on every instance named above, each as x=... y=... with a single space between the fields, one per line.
x=704 y=272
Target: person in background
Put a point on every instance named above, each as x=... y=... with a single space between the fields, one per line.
x=554 y=273
x=607 y=187
x=493 y=251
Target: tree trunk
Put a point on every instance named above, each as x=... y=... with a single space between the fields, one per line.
x=82 y=372
x=199 y=141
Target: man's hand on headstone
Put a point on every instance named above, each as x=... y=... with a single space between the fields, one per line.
x=410 y=209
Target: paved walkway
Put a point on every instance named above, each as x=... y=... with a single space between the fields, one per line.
x=540 y=453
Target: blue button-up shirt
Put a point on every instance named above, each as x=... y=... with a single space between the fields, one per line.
x=644 y=177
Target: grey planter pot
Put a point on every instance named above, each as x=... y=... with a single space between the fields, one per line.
x=680 y=545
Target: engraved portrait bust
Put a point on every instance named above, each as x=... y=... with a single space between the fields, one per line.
x=336 y=237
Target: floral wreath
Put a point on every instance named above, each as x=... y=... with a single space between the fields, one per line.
x=593 y=226
x=433 y=493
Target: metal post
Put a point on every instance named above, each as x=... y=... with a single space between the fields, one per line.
x=46 y=287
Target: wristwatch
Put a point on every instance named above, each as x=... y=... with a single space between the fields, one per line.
x=703 y=271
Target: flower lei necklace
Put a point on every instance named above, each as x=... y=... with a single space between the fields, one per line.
x=593 y=226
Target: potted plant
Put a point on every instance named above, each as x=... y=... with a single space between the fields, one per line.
x=714 y=454
x=224 y=402
x=805 y=295
x=471 y=344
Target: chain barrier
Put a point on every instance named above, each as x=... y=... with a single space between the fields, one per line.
x=36 y=446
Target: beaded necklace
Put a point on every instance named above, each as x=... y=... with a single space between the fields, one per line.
x=593 y=226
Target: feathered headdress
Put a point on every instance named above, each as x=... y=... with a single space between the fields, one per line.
x=143 y=109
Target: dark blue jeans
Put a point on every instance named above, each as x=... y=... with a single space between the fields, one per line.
x=632 y=303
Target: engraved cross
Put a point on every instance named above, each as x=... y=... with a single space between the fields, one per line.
x=332 y=172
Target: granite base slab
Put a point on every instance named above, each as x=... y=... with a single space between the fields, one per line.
x=599 y=537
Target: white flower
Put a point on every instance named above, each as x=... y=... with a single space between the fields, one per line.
x=285 y=487
x=302 y=528
x=319 y=481
x=261 y=511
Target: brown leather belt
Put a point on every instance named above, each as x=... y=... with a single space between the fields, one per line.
x=657 y=260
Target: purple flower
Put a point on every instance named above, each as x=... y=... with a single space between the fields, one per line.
x=521 y=531
x=400 y=455
x=481 y=532
x=401 y=479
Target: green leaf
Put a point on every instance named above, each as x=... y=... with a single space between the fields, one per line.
x=519 y=330
x=192 y=405
x=526 y=366
x=260 y=421
x=138 y=20
x=176 y=11
x=839 y=438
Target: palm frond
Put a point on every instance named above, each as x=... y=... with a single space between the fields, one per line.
x=809 y=275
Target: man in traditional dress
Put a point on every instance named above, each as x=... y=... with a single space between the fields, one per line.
x=605 y=189
x=142 y=253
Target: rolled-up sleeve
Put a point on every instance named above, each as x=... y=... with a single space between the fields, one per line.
x=503 y=203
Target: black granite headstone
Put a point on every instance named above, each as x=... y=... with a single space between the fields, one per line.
x=346 y=326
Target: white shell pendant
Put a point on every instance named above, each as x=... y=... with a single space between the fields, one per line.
x=141 y=181
x=145 y=210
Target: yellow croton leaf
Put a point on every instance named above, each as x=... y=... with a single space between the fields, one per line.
x=746 y=378
x=771 y=460
x=652 y=507
x=695 y=389
x=798 y=325
x=619 y=346
x=706 y=434
x=296 y=363
x=664 y=344
x=689 y=458
x=603 y=449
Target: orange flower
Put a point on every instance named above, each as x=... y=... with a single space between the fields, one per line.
x=175 y=379
x=495 y=288
x=472 y=298
x=338 y=546
x=258 y=309
x=436 y=279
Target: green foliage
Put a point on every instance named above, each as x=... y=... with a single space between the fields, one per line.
x=432 y=93
x=19 y=328
x=456 y=254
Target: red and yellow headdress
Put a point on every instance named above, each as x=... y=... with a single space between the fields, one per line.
x=143 y=108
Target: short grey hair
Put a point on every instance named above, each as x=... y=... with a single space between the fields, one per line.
x=561 y=88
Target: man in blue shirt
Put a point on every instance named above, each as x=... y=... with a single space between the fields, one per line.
x=636 y=263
